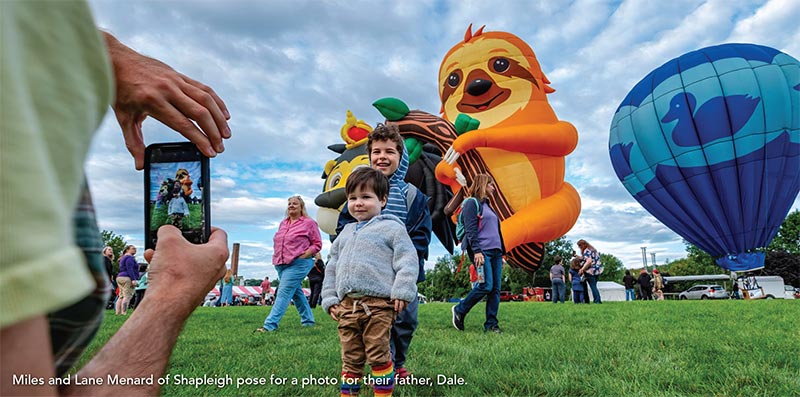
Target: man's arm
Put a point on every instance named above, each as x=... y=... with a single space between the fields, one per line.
x=420 y=233
x=148 y=87
x=177 y=269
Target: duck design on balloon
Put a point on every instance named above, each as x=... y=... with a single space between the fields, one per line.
x=712 y=115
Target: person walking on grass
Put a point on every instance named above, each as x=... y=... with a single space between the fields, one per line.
x=315 y=277
x=591 y=268
x=644 y=285
x=127 y=279
x=658 y=284
x=266 y=290
x=296 y=242
x=141 y=286
x=370 y=277
x=557 y=280
x=483 y=243
x=575 y=280
x=629 y=282
x=227 y=289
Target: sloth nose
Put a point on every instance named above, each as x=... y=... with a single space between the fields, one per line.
x=478 y=87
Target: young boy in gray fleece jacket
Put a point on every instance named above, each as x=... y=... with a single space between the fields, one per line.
x=370 y=277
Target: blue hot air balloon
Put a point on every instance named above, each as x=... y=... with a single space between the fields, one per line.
x=709 y=143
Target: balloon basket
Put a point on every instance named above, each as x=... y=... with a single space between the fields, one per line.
x=755 y=293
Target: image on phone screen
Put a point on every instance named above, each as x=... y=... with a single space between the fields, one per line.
x=176 y=198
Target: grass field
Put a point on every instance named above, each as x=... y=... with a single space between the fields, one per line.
x=160 y=217
x=668 y=348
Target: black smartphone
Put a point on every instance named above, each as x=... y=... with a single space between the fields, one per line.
x=177 y=191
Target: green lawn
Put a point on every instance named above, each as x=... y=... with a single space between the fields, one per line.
x=160 y=217
x=669 y=348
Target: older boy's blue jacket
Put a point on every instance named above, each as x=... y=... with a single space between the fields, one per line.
x=418 y=225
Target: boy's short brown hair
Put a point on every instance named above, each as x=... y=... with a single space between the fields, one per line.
x=385 y=132
x=368 y=178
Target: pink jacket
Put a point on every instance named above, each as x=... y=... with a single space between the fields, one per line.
x=292 y=240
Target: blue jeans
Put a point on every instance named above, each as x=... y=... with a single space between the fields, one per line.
x=559 y=288
x=290 y=289
x=402 y=332
x=630 y=295
x=593 y=285
x=577 y=296
x=490 y=288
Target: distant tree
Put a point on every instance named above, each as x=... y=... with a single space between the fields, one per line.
x=689 y=266
x=699 y=258
x=788 y=237
x=784 y=264
x=116 y=243
x=515 y=279
x=252 y=282
x=442 y=282
x=613 y=270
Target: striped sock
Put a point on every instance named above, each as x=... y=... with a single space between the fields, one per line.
x=383 y=380
x=350 y=384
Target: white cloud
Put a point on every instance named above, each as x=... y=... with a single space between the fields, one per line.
x=774 y=22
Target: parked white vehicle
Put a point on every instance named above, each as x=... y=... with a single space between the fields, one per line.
x=791 y=292
x=771 y=286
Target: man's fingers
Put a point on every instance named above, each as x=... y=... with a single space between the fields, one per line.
x=218 y=237
x=148 y=255
x=199 y=106
x=167 y=231
x=173 y=118
x=208 y=90
x=132 y=134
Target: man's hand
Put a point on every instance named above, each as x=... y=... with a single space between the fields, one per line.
x=182 y=272
x=399 y=305
x=332 y=312
x=148 y=87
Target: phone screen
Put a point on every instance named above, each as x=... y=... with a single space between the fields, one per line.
x=177 y=191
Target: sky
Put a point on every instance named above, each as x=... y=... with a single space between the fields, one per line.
x=289 y=71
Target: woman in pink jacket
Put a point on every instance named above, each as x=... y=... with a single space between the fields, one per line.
x=295 y=244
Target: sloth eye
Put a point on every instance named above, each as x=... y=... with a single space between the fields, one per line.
x=453 y=80
x=500 y=65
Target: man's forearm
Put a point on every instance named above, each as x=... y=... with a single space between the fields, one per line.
x=139 y=349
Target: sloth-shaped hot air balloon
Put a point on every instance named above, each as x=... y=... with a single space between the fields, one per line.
x=497 y=120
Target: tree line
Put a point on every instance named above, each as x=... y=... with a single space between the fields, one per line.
x=444 y=281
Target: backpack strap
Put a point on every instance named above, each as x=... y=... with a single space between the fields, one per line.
x=477 y=204
x=411 y=195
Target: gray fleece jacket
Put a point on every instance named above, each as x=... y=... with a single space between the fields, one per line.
x=378 y=260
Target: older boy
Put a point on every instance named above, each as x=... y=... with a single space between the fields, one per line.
x=371 y=276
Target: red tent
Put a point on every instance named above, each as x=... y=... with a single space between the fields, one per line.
x=251 y=291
